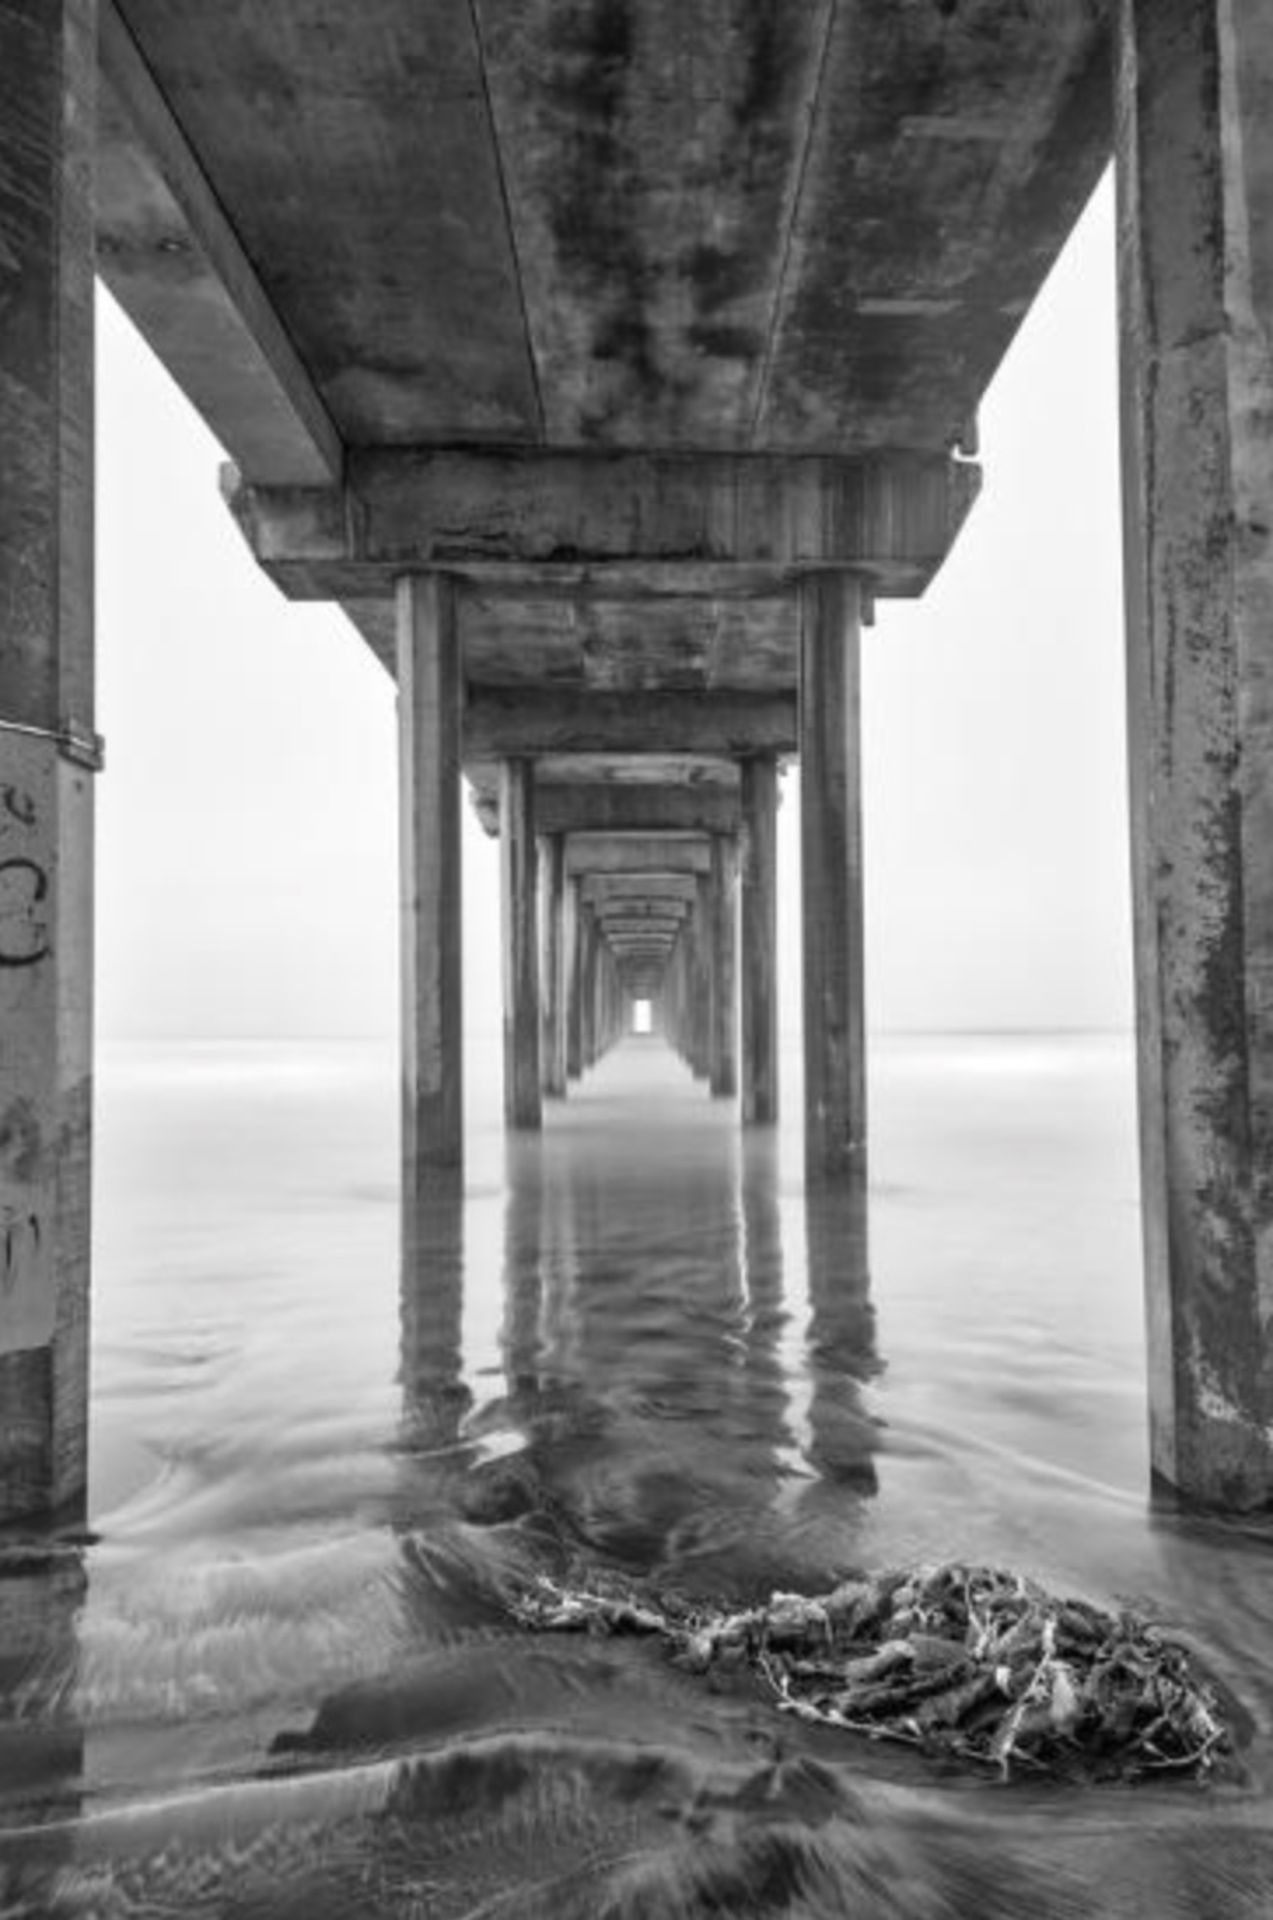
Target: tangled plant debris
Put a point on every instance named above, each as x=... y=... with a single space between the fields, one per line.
x=967 y=1662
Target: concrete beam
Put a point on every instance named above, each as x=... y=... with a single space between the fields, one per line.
x=598 y=888
x=892 y=518
x=652 y=768
x=656 y=917
x=596 y=854
x=169 y=254
x=630 y=947
x=594 y=636
x=638 y=907
x=640 y=925
x=625 y=809
x=519 y=720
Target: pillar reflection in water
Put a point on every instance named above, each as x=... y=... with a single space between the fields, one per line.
x=42 y=1594
x=768 y=1390
x=841 y=1353
x=524 y=1250
x=651 y=1377
x=655 y=1402
x=435 y=1397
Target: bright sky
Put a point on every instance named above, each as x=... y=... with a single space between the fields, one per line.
x=247 y=822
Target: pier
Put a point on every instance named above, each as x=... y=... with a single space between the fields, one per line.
x=613 y=366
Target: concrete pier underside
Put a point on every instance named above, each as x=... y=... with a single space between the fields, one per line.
x=607 y=444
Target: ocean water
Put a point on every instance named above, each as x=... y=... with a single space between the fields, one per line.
x=282 y=1677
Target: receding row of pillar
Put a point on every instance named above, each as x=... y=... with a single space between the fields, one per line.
x=564 y=1001
x=571 y=976
x=1194 y=144
x=568 y=979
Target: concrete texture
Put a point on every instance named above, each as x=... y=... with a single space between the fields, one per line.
x=47 y=747
x=519 y=910
x=1195 y=153
x=723 y=969
x=831 y=879
x=553 y=910
x=721 y=226
x=759 y=927
x=432 y=967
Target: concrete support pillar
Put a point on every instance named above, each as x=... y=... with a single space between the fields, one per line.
x=684 y=970
x=699 y=981
x=600 y=996
x=831 y=854
x=556 y=906
x=574 y=982
x=1195 y=177
x=587 y=991
x=543 y=917
x=605 y=997
x=684 y=992
x=521 y=944
x=429 y=716
x=672 y=1004
x=760 y=941
x=616 y=1023
x=48 y=749
x=667 y=1007
x=723 y=1051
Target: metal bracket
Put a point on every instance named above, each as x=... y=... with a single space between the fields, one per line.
x=76 y=743
x=81 y=746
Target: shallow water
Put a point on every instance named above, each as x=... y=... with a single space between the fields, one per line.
x=284 y=1680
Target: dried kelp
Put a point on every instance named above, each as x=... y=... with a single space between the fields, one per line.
x=968 y=1662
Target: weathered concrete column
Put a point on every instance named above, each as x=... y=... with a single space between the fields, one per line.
x=615 y=1022
x=699 y=980
x=680 y=995
x=48 y=749
x=576 y=954
x=603 y=996
x=760 y=940
x=519 y=898
x=587 y=989
x=556 y=906
x=831 y=856
x=429 y=718
x=723 y=1050
x=435 y=1397
x=1195 y=173
x=669 y=1000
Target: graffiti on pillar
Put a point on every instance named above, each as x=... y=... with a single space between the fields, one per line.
x=20 y=1238
x=24 y=1255
x=24 y=887
x=18 y=804
x=29 y=1061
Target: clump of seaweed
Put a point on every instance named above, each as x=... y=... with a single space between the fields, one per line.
x=965 y=1662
